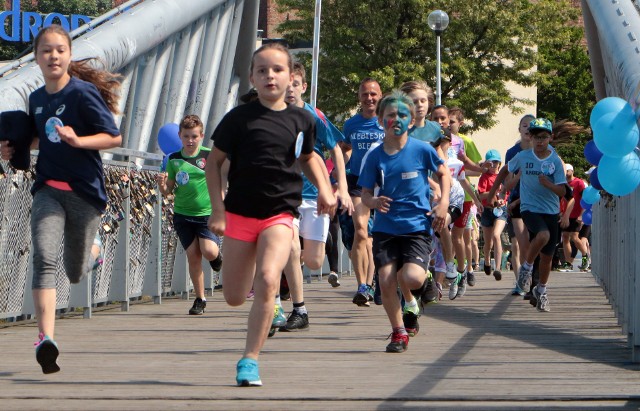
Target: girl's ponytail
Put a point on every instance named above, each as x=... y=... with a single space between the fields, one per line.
x=108 y=83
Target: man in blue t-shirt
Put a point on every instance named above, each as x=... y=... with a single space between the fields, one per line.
x=360 y=132
x=542 y=183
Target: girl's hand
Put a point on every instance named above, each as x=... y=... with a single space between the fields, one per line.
x=564 y=221
x=327 y=203
x=479 y=206
x=439 y=213
x=345 y=202
x=383 y=204
x=69 y=136
x=217 y=223
x=6 y=151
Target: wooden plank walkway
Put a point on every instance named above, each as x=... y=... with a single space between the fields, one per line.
x=486 y=350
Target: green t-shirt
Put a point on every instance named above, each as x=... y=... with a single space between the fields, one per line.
x=474 y=155
x=191 y=194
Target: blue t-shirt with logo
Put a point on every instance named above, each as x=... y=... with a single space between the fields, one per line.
x=360 y=133
x=80 y=106
x=327 y=136
x=403 y=178
x=534 y=196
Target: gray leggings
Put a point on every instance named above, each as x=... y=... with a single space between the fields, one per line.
x=58 y=214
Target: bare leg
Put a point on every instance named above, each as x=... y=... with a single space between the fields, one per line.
x=45 y=304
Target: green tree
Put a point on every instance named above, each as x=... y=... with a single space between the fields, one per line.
x=488 y=43
x=92 y=8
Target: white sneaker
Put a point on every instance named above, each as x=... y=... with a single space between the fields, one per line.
x=453 y=287
x=451 y=273
x=542 y=300
x=462 y=284
x=333 y=279
x=524 y=278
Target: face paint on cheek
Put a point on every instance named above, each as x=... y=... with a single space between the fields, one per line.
x=390 y=123
x=404 y=119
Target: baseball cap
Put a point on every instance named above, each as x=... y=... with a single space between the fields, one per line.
x=540 y=124
x=493 y=155
x=568 y=167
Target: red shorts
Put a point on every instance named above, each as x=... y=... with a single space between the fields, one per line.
x=248 y=229
x=461 y=222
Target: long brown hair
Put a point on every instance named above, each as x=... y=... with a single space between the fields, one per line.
x=107 y=83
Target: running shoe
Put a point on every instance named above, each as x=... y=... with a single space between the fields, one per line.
x=198 y=307
x=451 y=272
x=497 y=275
x=517 y=291
x=524 y=278
x=585 y=263
x=430 y=292
x=248 y=374
x=462 y=284
x=333 y=279
x=296 y=321
x=370 y=293
x=399 y=342
x=542 y=302
x=487 y=268
x=453 y=287
x=471 y=278
x=279 y=320
x=566 y=266
x=410 y=321
x=47 y=354
x=361 y=297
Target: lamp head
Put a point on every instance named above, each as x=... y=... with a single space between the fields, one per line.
x=438 y=21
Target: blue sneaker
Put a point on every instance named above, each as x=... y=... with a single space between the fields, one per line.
x=47 y=354
x=279 y=320
x=248 y=373
x=361 y=298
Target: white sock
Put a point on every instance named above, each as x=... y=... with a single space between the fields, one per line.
x=527 y=266
x=411 y=306
x=278 y=302
x=542 y=288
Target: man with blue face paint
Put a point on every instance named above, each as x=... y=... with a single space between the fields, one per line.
x=403 y=219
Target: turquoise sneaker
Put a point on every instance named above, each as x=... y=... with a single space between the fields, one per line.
x=279 y=320
x=47 y=354
x=248 y=373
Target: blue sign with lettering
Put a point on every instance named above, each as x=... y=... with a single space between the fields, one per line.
x=24 y=26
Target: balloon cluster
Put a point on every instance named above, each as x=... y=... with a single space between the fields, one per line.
x=613 y=150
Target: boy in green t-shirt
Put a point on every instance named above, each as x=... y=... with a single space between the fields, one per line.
x=192 y=206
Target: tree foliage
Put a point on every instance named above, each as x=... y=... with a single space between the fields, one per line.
x=91 y=8
x=488 y=44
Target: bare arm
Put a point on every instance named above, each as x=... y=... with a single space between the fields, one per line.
x=469 y=190
x=380 y=203
x=100 y=141
x=442 y=208
x=313 y=171
x=213 y=173
x=341 y=178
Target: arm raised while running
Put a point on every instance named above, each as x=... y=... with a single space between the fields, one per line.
x=440 y=211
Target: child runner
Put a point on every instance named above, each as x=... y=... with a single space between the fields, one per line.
x=267 y=143
x=74 y=120
x=542 y=183
x=494 y=216
x=192 y=208
x=402 y=222
x=312 y=227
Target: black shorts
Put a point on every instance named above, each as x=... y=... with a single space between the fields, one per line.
x=573 y=226
x=404 y=248
x=537 y=223
x=510 y=231
x=352 y=185
x=189 y=228
x=585 y=232
x=515 y=212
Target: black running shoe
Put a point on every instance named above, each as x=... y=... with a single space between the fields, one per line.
x=410 y=321
x=198 y=307
x=430 y=293
x=216 y=264
x=497 y=275
x=47 y=354
x=471 y=278
x=361 y=297
x=399 y=342
x=487 y=268
x=296 y=321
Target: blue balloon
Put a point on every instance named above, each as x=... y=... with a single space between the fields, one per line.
x=609 y=105
x=163 y=166
x=620 y=176
x=594 y=180
x=584 y=205
x=591 y=153
x=587 y=217
x=616 y=134
x=168 y=138
x=590 y=195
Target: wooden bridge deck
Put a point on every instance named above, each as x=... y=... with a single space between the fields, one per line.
x=486 y=350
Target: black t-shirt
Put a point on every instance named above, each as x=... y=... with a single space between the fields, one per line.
x=264 y=175
x=80 y=106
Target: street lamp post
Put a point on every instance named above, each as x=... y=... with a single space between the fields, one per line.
x=438 y=21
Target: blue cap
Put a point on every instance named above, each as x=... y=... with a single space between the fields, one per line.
x=541 y=124
x=493 y=155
